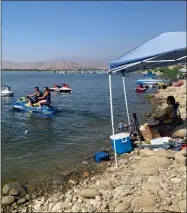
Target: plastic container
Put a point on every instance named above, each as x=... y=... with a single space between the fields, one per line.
x=123 y=143
x=159 y=141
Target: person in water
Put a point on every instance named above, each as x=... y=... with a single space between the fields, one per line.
x=36 y=95
x=170 y=118
x=46 y=98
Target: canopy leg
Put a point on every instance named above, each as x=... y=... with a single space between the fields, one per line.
x=112 y=117
x=125 y=96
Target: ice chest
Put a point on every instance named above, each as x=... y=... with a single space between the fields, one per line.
x=123 y=143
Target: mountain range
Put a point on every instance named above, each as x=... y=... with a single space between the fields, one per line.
x=59 y=64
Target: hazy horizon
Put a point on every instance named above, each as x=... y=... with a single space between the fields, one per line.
x=46 y=31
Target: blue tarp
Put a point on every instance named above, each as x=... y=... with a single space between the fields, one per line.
x=167 y=46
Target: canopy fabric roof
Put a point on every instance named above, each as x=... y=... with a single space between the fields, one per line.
x=163 y=50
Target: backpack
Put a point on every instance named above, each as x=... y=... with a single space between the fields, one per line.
x=101 y=156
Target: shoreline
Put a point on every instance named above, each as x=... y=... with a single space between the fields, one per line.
x=127 y=180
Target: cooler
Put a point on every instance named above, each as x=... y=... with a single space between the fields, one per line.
x=123 y=143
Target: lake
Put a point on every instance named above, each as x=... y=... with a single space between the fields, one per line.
x=81 y=128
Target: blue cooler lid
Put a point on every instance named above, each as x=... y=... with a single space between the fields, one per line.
x=120 y=135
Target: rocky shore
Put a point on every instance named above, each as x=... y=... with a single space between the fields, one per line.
x=144 y=181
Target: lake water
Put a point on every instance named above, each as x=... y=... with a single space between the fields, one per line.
x=79 y=130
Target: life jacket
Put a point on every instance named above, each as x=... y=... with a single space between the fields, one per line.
x=101 y=156
x=40 y=94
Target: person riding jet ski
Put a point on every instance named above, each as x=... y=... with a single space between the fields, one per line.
x=36 y=95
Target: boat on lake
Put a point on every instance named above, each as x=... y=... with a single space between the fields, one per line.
x=6 y=91
x=58 y=88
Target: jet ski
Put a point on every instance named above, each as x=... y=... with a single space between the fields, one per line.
x=64 y=88
x=6 y=91
x=140 y=90
x=23 y=105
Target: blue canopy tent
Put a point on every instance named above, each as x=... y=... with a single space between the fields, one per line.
x=163 y=50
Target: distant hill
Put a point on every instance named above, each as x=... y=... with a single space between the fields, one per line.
x=66 y=63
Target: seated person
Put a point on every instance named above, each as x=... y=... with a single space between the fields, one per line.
x=46 y=98
x=140 y=86
x=36 y=95
x=170 y=119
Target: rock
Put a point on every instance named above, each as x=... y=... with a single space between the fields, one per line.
x=28 y=196
x=73 y=180
x=153 y=187
x=146 y=171
x=172 y=208
x=154 y=179
x=98 y=198
x=146 y=152
x=105 y=184
x=112 y=169
x=15 y=185
x=22 y=200
x=85 y=162
x=8 y=200
x=57 y=207
x=122 y=206
x=144 y=201
x=155 y=161
x=164 y=153
x=89 y=193
x=51 y=206
x=33 y=196
x=182 y=205
x=182 y=152
x=69 y=198
x=13 y=192
x=122 y=191
x=180 y=159
x=176 y=180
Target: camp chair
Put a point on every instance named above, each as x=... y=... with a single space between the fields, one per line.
x=133 y=128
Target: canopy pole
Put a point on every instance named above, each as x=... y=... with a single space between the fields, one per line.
x=125 y=96
x=112 y=117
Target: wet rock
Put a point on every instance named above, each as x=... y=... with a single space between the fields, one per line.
x=33 y=196
x=73 y=181
x=89 y=193
x=105 y=184
x=112 y=169
x=21 y=201
x=122 y=206
x=28 y=196
x=85 y=162
x=15 y=185
x=13 y=192
x=8 y=200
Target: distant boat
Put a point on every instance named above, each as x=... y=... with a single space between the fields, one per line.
x=148 y=81
x=6 y=91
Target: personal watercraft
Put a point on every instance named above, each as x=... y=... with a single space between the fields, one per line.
x=6 y=91
x=23 y=104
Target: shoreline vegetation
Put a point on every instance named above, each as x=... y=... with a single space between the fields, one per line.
x=145 y=180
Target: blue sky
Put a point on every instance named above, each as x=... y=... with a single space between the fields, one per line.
x=36 y=31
